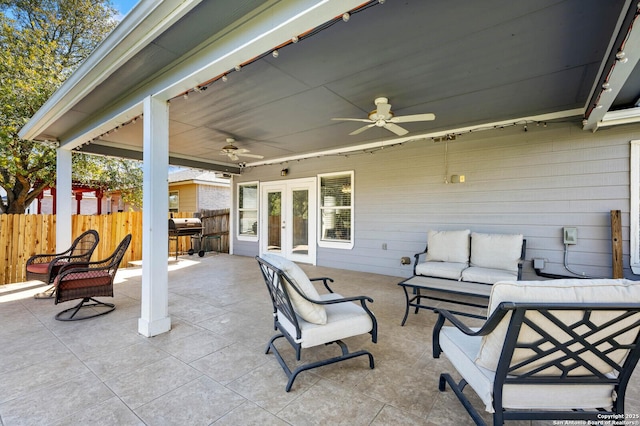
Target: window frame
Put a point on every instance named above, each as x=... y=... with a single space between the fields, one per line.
x=239 y=210
x=175 y=193
x=336 y=244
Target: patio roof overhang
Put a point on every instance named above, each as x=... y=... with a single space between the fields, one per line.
x=474 y=64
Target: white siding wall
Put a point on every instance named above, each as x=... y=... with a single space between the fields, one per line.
x=532 y=182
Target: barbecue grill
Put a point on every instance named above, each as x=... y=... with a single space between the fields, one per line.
x=186 y=227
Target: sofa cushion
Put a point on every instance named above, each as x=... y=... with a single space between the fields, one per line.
x=496 y=251
x=556 y=291
x=487 y=275
x=310 y=312
x=449 y=270
x=461 y=350
x=448 y=246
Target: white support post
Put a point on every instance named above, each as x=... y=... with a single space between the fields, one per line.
x=155 y=231
x=63 y=200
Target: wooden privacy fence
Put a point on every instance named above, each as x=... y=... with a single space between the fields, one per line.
x=23 y=235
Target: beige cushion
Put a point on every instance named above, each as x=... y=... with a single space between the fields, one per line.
x=487 y=275
x=461 y=349
x=310 y=312
x=556 y=291
x=449 y=270
x=496 y=251
x=344 y=320
x=448 y=246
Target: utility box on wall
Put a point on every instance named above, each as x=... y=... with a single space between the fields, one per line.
x=570 y=235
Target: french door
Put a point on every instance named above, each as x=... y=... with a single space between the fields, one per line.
x=288 y=219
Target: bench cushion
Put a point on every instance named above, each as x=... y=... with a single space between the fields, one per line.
x=449 y=270
x=487 y=275
x=554 y=291
x=496 y=251
x=310 y=312
x=448 y=246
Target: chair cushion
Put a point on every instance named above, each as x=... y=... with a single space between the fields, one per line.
x=43 y=268
x=84 y=279
x=461 y=351
x=556 y=291
x=38 y=268
x=449 y=270
x=487 y=275
x=310 y=312
x=496 y=251
x=344 y=320
x=448 y=246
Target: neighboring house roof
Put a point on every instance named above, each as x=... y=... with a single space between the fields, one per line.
x=198 y=177
x=476 y=65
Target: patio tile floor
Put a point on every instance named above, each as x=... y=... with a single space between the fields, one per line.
x=210 y=369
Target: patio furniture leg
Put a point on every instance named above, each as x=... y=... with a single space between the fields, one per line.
x=457 y=388
x=84 y=304
x=406 y=309
x=47 y=294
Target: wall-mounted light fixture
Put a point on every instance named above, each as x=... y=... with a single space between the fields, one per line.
x=284 y=172
x=457 y=179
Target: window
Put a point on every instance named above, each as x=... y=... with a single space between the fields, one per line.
x=336 y=210
x=248 y=211
x=174 y=201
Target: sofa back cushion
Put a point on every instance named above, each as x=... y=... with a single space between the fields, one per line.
x=308 y=311
x=448 y=246
x=558 y=291
x=496 y=251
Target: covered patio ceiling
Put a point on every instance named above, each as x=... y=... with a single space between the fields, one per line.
x=473 y=64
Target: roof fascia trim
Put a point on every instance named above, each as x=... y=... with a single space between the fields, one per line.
x=147 y=20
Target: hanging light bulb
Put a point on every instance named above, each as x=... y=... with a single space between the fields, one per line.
x=294 y=39
x=346 y=16
x=225 y=78
x=275 y=53
x=238 y=68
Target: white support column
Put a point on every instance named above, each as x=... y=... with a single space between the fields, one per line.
x=155 y=231
x=63 y=200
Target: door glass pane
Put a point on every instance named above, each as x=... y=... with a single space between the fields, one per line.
x=274 y=207
x=300 y=228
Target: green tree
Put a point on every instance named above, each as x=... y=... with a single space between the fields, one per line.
x=41 y=43
x=110 y=175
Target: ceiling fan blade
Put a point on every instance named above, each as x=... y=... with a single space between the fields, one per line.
x=362 y=129
x=250 y=155
x=362 y=120
x=411 y=118
x=396 y=129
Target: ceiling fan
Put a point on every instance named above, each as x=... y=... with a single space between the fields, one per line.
x=382 y=116
x=233 y=152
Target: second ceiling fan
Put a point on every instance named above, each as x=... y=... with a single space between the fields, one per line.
x=382 y=116
x=233 y=152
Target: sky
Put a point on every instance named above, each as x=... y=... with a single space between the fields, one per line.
x=124 y=6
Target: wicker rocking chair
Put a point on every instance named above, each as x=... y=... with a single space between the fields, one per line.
x=45 y=267
x=86 y=280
